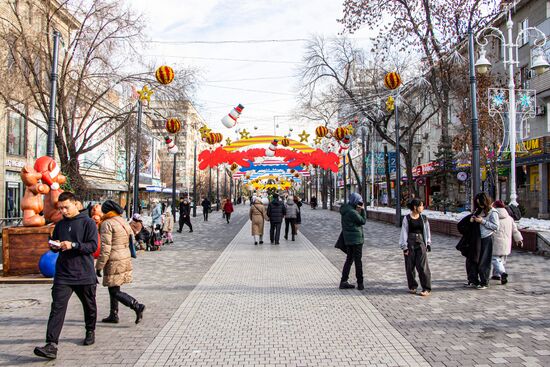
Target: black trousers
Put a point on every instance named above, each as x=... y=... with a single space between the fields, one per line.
x=417 y=260
x=354 y=255
x=485 y=255
x=61 y=293
x=274 y=232
x=227 y=216
x=187 y=221
x=205 y=213
x=115 y=296
x=290 y=222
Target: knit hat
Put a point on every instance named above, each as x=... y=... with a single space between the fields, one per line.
x=354 y=199
x=110 y=205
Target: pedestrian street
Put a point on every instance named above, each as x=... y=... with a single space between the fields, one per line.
x=213 y=298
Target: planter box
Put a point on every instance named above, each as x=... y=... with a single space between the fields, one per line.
x=22 y=248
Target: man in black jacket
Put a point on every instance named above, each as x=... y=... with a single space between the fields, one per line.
x=276 y=211
x=75 y=236
x=206 y=205
x=185 y=215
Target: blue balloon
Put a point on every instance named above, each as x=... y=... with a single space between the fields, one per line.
x=47 y=263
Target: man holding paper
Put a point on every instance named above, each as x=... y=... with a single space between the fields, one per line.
x=75 y=236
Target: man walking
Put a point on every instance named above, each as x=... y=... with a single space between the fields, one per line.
x=75 y=236
x=206 y=205
x=185 y=215
x=276 y=212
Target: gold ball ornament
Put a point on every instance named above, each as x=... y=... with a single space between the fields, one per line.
x=340 y=132
x=165 y=74
x=285 y=142
x=321 y=131
x=392 y=80
x=173 y=125
x=234 y=166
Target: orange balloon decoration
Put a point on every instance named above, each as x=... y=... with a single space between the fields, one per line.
x=392 y=80
x=173 y=125
x=321 y=131
x=165 y=74
x=285 y=142
x=340 y=132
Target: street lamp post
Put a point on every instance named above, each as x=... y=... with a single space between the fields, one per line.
x=476 y=172
x=50 y=149
x=137 y=157
x=496 y=105
x=174 y=183
x=195 y=180
x=397 y=169
x=217 y=188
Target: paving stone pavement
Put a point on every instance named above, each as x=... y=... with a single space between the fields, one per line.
x=504 y=325
x=162 y=281
x=270 y=305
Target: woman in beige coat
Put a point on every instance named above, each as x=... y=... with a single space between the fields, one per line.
x=115 y=260
x=258 y=215
x=502 y=242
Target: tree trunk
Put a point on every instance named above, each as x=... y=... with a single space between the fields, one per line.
x=72 y=170
x=408 y=169
x=445 y=142
x=387 y=172
x=356 y=176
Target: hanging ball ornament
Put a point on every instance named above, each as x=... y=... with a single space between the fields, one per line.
x=285 y=142
x=165 y=74
x=340 y=133
x=392 y=80
x=173 y=125
x=234 y=166
x=321 y=131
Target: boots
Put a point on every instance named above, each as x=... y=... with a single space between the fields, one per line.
x=293 y=238
x=346 y=285
x=112 y=318
x=132 y=303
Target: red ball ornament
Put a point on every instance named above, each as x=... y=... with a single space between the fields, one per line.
x=173 y=125
x=392 y=80
x=165 y=74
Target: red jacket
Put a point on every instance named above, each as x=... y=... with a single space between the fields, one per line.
x=228 y=207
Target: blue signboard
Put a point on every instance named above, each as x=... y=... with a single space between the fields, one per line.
x=379 y=163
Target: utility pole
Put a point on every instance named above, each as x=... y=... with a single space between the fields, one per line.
x=50 y=149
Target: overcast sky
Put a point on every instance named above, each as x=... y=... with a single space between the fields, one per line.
x=266 y=83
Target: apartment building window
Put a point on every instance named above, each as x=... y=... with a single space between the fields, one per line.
x=525 y=36
x=16 y=136
x=41 y=140
x=524 y=74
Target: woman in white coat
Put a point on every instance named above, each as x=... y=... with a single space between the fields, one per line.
x=502 y=242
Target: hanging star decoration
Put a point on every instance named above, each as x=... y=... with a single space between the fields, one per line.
x=245 y=134
x=390 y=105
x=318 y=140
x=303 y=136
x=145 y=94
x=228 y=141
x=498 y=99
x=204 y=131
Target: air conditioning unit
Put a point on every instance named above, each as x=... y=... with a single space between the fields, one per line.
x=540 y=110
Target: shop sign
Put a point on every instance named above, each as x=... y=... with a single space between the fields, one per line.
x=14 y=163
x=462 y=176
x=421 y=181
x=530 y=147
x=425 y=169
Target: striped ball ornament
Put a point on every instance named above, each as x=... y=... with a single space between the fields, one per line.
x=340 y=132
x=392 y=80
x=173 y=125
x=321 y=131
x=285 y=142
x=165 y=74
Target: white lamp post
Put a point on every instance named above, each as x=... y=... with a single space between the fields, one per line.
x=510 y=53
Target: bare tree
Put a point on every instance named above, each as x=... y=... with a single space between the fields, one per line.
x=429 y=28
x=337 y=61
x=96 y=72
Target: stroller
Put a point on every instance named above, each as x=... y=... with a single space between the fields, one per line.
x=156 y=239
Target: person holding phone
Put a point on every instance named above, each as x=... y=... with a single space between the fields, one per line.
x=353 y=218
x=75 y=237
x=416 y=242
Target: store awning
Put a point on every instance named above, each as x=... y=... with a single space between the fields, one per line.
x=107 y=186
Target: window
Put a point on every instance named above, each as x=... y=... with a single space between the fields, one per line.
x=16 y=134
x=41 y=141
x=525 y=36
x=524 y=75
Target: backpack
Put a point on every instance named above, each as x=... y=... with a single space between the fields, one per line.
x=514 y=212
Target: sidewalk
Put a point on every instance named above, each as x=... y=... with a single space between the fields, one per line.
x=272 y=305
x=502 y=326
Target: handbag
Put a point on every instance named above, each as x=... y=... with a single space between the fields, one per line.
x=131 y=246
x=341 y=244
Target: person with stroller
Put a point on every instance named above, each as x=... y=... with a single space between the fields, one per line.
x=168 y=225
x=141 y=234
x=115 y=261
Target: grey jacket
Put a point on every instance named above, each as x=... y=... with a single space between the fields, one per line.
x=403 y=238
x=291 y=209
x=489 y=224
